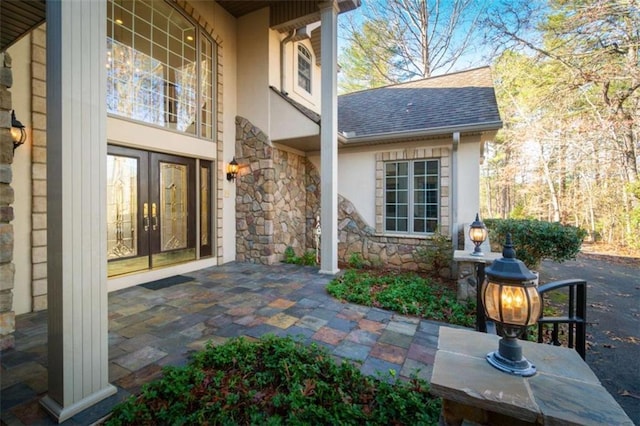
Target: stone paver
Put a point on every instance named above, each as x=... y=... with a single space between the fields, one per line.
x=149 y=329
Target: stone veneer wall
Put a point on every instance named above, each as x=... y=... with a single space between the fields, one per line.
x=7 y=268
x=39 y=169
x=356 y=236
x=278 y=201
x=275 y=198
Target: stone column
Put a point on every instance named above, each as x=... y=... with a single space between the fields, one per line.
x=7 y=268
x=329 y=138
x=76 y=212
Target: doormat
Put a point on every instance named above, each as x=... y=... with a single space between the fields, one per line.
x=166 y=282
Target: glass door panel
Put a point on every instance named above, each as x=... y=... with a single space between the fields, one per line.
x=127 y=239
x=151 y=210
x=173 y=202
x=205 y=209
x=172 y=209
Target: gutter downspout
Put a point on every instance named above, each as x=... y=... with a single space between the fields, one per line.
x=454 y=199
x=284 y=41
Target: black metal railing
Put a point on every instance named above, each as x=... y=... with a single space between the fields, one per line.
x=576 y=318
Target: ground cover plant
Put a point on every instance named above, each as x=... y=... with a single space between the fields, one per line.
x=405 y=293
x=273 y=381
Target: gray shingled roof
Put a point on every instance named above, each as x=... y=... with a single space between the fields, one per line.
x=460 y=99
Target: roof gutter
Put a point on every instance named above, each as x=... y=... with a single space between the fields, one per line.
x=384 y=137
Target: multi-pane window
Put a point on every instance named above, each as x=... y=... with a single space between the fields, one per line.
x=159 y=67
x=411 y=196
x=304 y=68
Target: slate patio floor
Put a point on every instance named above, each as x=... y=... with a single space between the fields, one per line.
x=151 y=328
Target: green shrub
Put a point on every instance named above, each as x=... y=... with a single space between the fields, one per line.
x=436 y=254
x=356 y=261
x=536 y=240
x=405 y=293
x=308 y=258
x=275 y=381
x=289 y=255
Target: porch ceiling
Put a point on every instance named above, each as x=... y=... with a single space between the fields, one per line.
x=17 y=18
x=285 y=15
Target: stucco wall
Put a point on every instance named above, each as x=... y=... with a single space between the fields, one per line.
x=21 y=91
x=468 y=176
x=310 y=100
x=253 y=66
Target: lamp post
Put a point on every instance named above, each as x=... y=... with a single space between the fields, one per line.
x=478 y=234
x=510 y=297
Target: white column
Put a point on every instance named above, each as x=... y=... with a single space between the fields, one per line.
x=329 y=138
x=76 y=197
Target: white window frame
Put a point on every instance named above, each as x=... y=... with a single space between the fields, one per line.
x=304 y=57
x=198 y=104
x=411 y=205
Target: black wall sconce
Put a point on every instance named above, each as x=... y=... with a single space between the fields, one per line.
x=18 y=133
x=232 y=170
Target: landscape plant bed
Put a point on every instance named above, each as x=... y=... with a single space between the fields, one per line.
x=276 y=380
x=403 y=292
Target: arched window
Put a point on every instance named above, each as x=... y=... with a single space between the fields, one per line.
x=160 y=67
x=304 y=68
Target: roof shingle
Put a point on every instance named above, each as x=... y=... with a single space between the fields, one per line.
x=458 y=99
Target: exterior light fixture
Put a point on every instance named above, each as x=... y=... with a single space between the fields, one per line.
x=510 y=297
x=18 y=133
x=232 y=170
x=478 y=234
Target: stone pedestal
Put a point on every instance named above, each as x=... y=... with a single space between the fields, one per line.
x=563 y=392
x=467 y=280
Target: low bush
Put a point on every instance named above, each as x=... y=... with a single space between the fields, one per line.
x=405 y=293
x=308 y=258
x=436 y=254
x=275 y=381
x=536 y=240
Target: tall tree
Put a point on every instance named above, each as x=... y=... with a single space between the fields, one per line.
x=581 y=101
x=402 y=40
x=364 y=69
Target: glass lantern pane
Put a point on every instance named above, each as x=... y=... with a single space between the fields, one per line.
x=536 y=305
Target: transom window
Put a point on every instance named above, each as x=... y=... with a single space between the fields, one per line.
x=159 y=67
x=304 y=68
x=411 y=196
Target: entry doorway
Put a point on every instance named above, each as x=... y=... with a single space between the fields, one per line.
x=152 y=215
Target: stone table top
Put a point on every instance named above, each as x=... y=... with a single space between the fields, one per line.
x=466 y=256
x=563 y=391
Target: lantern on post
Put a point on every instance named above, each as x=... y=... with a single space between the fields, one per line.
x=510 y=297
x=478 y=234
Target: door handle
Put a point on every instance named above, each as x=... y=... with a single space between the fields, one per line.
x=145 y=217
x=154 y=217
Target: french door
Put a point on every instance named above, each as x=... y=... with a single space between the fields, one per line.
x=151 y=210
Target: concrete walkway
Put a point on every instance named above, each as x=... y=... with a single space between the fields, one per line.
x=162 y=325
